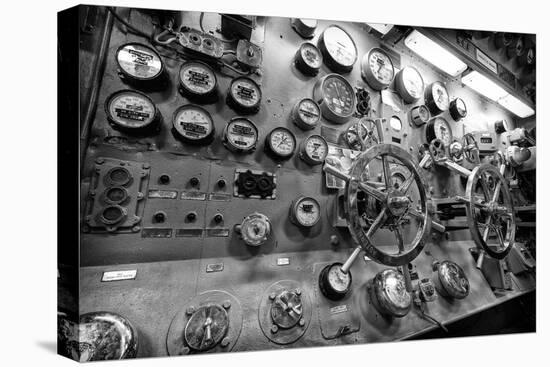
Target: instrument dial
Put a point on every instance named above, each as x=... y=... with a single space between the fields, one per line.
x=139 y=62
x=281 y=142
x=457 y=109
x=308 y=59
x=244 y=95
x=131 y=111
x=240 y=135
x=409 y=84
x=314 y=149
x=333 y=282
x=436 y=98
x=197 y=79
x=305 y=211
x=338 y=49
x=336 y=98
x=377 y=69
x=193 y=124
x=439 y=128
x=395 y=123
x=306 y=114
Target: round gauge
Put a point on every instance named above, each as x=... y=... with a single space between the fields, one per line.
x=306 y=114
x=439 y=128
x=457 y=109
x=193 y=124
x=436 y=98
x=244 y=95
x=338 y=48
x=420 y=115
x=502 y=126
x=377 y=69
x=280 y=142
x=139 y=62
x=333 y=282
x=362 y=135
x=336 y=97
x=240 y=135
x=314 y=149
x=395 y=123
x=197 y=79
x=305 y=211
x=389 y=294
x=131 y=111
x=304 y=27
x=409 y=84
x=308 y=59
x=255 y=229
x=450 y=280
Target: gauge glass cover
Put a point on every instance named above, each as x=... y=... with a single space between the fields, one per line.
x=440 y=96
x=338 y=280
x=311 y=55
x=381 y=67
x=242 y=134
x=338 y=95
x=282 y=142
x=309 y=112
x=193 y=122
x=340 y=46
x=139 y=61
x=307 y=212
x=131 y=110
x=316 y=148
x=245 y=92
x=442 y=131
x=197 y=78
x=413 y=82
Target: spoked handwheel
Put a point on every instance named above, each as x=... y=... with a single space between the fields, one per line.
x=492 y=211
x=471 y=149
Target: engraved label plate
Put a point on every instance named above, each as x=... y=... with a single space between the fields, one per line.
x=163 y=194
x=214 y=268
x=282 y=261
x=193 y=195
x=112 y=276
x=339 y=309
x=189 y=232
x=217 y=232
x=156 y=233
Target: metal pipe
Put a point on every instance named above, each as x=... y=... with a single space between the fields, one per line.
x=351 y=259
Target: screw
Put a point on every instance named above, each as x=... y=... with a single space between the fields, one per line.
x=136 y=228
x=272 y=296
x=190 y=310
x=225 y=342
x=334 y=240
x=302 y=322
x=194 y=181
x=274 y=329
x=184 y=350
x=298 y=291
x=226 y=305
x=92 y=193
x=160 y=217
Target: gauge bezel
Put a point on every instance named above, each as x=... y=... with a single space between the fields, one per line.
x=455 y=112
x=430 y=130
x=153 y=124
x=185 y=90
x=302 y=65
x=430 y=101
x=133 y=77
x=177 y=133
x=329 y=291
x=303 y=151
x=294 y=210
x=329 y=60
x=367 y=73
x=227 y=143
x=401 y=88
x=270 y=149
x=297 y=119
x=233 y=102
x=326 y=111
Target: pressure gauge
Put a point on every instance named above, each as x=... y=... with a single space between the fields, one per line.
x=308 y=59
x=132 y=111
x=377 y=69
x=336 y=97
x=139 y=62
x=333 y=282
x=409 y=84
x=436 y=98
x=244 y=95
x=255 y=229
x=305 y=211
x=502 y=126
x=313 y=150
x=450 y=280
x=304 y=27
x=280 y=142
x=389 y=295
x=439 y=128
x=362 y=135
x=457 y=109
x=306 y=114
x=193 y=124
x=338 y=48
x=240 y=135
x=420 y=115
x=197 y=79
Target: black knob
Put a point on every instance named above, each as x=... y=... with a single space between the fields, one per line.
x=221 y=183
x=191 y=216
x=218 y=218
x=159 y=217
x=194 y=181
x=164 y=179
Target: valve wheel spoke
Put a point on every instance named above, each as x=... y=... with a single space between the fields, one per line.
x=406 y=185
x=387 y=171
x=377 y=194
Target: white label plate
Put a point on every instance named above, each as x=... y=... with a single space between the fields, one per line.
x=111 y=276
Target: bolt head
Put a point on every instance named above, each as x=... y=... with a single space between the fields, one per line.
x=272 y=296
x=298 y=291
x=225 y=342
x=190 y=310
x=184 y=350
x=274 y=329
x=226 y=305
x=302 y=322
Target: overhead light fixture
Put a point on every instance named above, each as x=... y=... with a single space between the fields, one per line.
x=435 y=53
x=490 y=89
x=380 y=27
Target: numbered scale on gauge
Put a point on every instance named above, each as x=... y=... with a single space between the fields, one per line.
x=333 y=282
x=457 y=109
x=377 y=69
x=409 y=84
x=198 y=80
x=336 y=97
x=338 y=49
x=139 y=62
x=305 y=212
x=308 y=59
x=306 y=114
x=132 y=111
x=420 y=115
x=439 y=128
x=193 y=124
x=314 y=149
x=240 y=135
x=244 y=95
x=280 y=143
x=436 y=98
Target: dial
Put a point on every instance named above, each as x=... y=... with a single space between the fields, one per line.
x=314 y=149
x=304 y=27
x=131 y=111
x=395 y=123
x=409 y=84
x=306 y=114
x=281 y=142
x=333 y=282
x=377 y=69
x=436 y=98
x=244 y=95
x=240 y=135
x=308 y=59
x=439 y=128
x=305 y=211
x=197 y=79
x=255 y=229
x=457 y=109
x=193 y=124
x=338 y=49
x=139 y=62
x=362 y=135
x=336 y=98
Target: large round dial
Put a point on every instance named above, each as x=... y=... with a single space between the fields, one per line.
x=457 y=109
x=333 y=282
x=314 y=149
x=139 y=62
x=306 y=114
x=280 y=142
x=362 y=135
x=336 y=98
x=338 y=49
x=240 y=135
x=131 y=111
x=197 y=79
x=409 y=84
x=193 y=124
x=436 y=98
x=308 y=59
x=244 y=95
x=377 y=69
x=305 y=211
x=439 y=128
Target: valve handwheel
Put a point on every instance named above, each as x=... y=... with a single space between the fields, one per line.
x=471 y=149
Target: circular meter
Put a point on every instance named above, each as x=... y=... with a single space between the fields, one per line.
x=333 y=282
x=306 y=114
x=439 y=128
x=314 y=150
x=409 y=84
x=502 y=126
x=389 y=294
x=436 y=98
x=336 y=97
x=132 y=111
x=305 y=211
x=197 y=79
x=457 y=109
x=193 y=124
x=308 y=59
x=450 y=280
x=338 y=49
x=362 y=135
x=280 y=142
x=377 y=69
x=255 y=229
x=420 y=115
x=139 y=62
x=240 y=135
x=304 y=27
x=244 y=95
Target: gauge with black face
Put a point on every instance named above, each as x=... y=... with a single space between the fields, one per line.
x=139 y=62
x=244 y=95
x=338 y=49
x=193 y=124
x=336 y=97
x=377 y=69
x=281 y=143
x=439 y=128
x=333 y=282
x=436 y=98
x=197 y=79
x=308 y=59
x=457 y=109
x=409 y=84
x=314 y=150
x=132 y=111
x=240 y=135
x=306 y=114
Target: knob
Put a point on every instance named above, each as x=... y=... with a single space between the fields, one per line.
x=221 y=183
x=194 y=181
x=164 y=179
x=218 y=218
x=159 y=217
x=191 y=216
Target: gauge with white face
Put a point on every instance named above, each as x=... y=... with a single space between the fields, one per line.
x=338 y=49
x=305 y=211
x=336 y=97
x=139 y=62
x=377 y=69
x=314 y=149
x=457 y=109
x=240 y=135
x=306 y=114
x=130 y=110
x=333 y=282
x=197 y=79
x=193 y=124
x=281 y=142
x=308 y=59
x=409 y=84
x=436 y=98
x=439 y=128
x=244 y=95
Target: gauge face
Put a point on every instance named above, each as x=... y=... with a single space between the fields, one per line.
x=282 y=142
x=139 y=61
x=197 y=78
x=440 y=96
x=412 y=81
x=306 y=211
x=461 y=107
x=338 y=95
x=307 y=114
x=340 y=48
x=193 y=123
x=130 y=110
x=395 y=123
x=241 y=135
x=381 y=66
x=245 y=93
x=314 y=149
x=442 y=130
x=311 y=55
x=338 y=280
